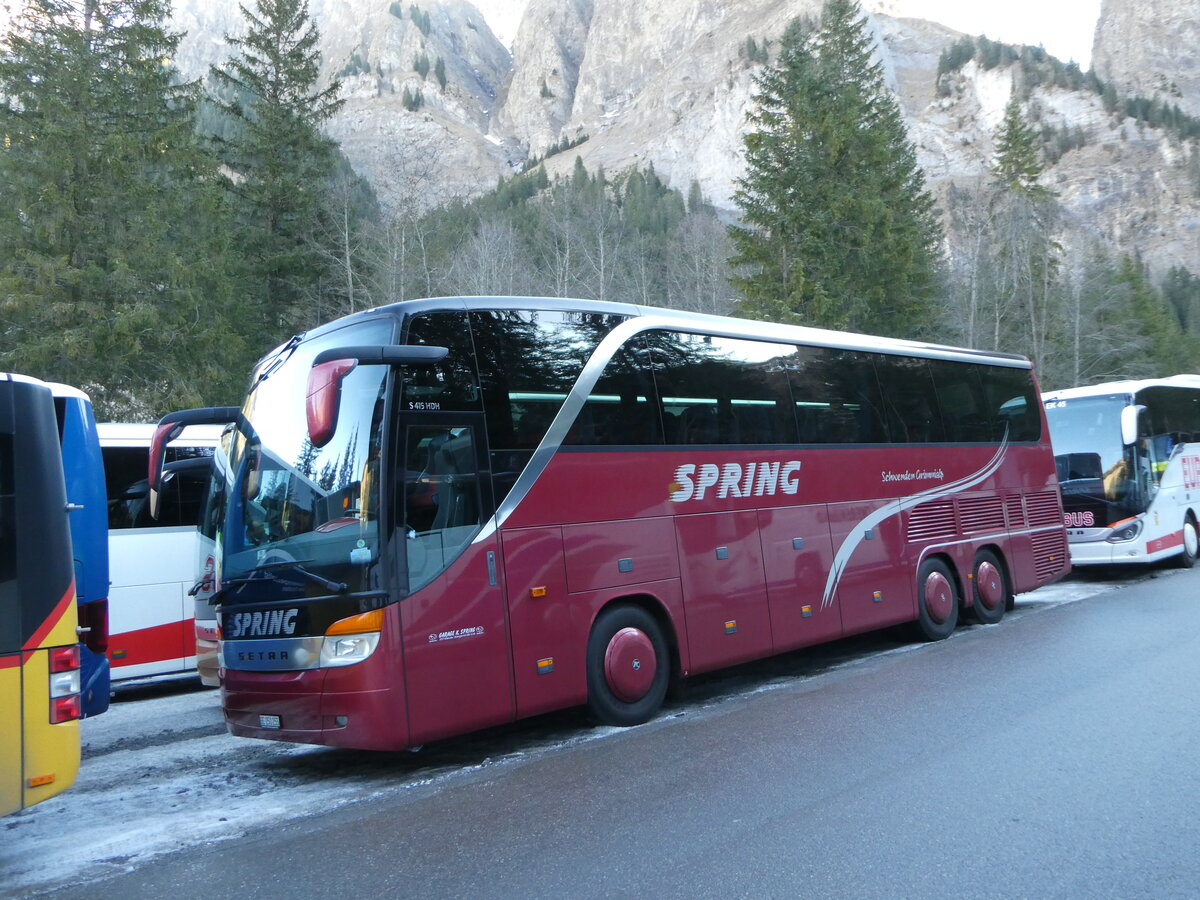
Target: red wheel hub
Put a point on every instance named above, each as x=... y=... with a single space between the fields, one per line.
x=989 y=584
x=629 y=664
x=939 y=597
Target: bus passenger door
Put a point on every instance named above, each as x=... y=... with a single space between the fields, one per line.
x=456 y=665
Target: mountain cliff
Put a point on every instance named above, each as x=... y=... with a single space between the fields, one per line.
x=1149 y=48
x=669 y=85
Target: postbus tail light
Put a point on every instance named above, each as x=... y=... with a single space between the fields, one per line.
x=351 y=640
x=65 y=704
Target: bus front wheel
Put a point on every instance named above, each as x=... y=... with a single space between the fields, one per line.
x=937 y=601
x=1187 y=558
x=627 y=666
x=990 y=594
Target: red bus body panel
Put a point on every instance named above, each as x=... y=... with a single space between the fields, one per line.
x=755 y=571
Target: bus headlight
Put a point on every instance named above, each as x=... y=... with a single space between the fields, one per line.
x=1126 y=531
x=347 y=649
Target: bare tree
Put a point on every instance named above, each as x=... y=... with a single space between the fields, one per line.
x=697 y=265
x=489 y=262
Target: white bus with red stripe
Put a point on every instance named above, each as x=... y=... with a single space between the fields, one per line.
x=1128 y=458
x=153 y=563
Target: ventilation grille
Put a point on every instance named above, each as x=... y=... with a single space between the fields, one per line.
x=932 y=520
x=1044 y=508
x=981 y=514
x=1016 y=511
x=1049 y=554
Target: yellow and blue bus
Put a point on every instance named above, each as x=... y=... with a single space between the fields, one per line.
x=40 y=702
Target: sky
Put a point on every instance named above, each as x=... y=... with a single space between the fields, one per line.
x=1064 y=27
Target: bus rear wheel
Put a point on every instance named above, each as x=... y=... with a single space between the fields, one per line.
x=1191 y=543
x=937 y=601
x=990 y=594
x=627 y=666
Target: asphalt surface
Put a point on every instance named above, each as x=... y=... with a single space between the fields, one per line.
x=1052 y=755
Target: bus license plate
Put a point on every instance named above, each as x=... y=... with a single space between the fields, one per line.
x=268 y=721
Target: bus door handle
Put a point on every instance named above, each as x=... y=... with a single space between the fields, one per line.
x=74 y=507
x=491 y=561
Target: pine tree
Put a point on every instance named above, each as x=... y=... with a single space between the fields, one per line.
x=281 y=159
x=113 y=253
x=838 y=228
x=1017 y=163
x=1022 y=235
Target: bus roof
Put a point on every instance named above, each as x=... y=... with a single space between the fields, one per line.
x=66 y=390
x=1128 y=387
x=722 y=326
x=23 y=379
x=138 y=434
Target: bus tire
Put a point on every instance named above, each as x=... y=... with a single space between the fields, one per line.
x=989 y=589
x=627 y=666
x=937 y=601
x=1187 y=558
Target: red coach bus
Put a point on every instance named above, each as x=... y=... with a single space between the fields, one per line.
x=447 y=514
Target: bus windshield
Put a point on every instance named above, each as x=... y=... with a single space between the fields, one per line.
x=306 y=516
x=1097 y=472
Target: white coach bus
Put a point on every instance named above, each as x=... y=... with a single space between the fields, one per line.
x=1128 y=456
x=152 y=563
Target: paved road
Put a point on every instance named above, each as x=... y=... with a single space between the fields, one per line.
x=1050 y=756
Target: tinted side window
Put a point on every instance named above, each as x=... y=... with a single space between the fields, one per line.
x=960 y=396
x=1173 y=412
x=718 y=390
x=528 y=362
x=910 y=403
x=1013 y=405
x=622 y=408
x=837 y=397
x=451 y=384
x=183 y=491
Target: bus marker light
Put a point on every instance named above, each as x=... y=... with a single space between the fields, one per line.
x=545 y=666
x=271 y=722
x=341 y=721
x=731 y=626
x=41 y=780
x=537 y=592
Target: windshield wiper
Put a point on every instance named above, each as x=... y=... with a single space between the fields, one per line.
x=285 y=353
x=264 y=573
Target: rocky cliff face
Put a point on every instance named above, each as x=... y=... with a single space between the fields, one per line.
x=423 y=155
x=1150 y=48
x=670 y=84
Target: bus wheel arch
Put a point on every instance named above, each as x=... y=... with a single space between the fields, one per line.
x=631 y=661
x=990 y=585
x=938 y=599
x=1191 y=543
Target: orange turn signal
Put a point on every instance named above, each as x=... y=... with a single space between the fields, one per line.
x=363 y=622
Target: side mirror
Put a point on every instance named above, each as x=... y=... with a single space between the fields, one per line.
x=330 y=367
x=1129 y=424
x=170 y=427
x=322 y=396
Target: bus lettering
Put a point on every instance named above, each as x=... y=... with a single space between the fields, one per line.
x=1079 y=519
x=1191 y=472
x=756 y=479
x=259 y=624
